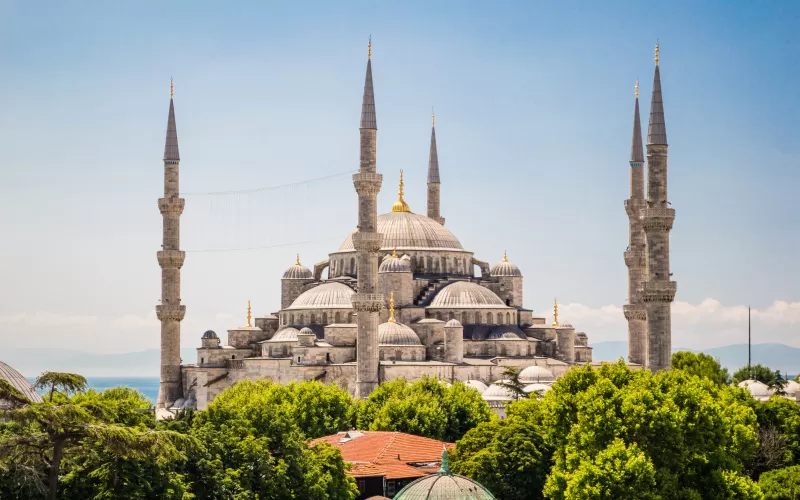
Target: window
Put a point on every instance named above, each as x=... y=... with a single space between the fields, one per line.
x=313 y=319
x=327 y=357
x=336 y=318
x=362 y=485
x=353 y=265
x=489 y=318
x=291 y=319
x=478 y=319
x=202 y=360
x=398 y=355
x=298 y=359
x=390 y=488
x=508 y=318
x=233 y=357
x=324 y=318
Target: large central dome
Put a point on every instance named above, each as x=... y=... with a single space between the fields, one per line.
x=410 y=231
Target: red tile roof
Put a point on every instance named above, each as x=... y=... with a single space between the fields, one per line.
x=392 y=454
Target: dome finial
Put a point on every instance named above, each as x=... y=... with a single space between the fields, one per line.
x=400 y=205
x=505 y=256
x=297 y=260
x=656 y=52
x=555 y=312
x=171 y=88
x=391 y=308
x=433 y=118
x=369 y=48
x=636 y=89
x=249 y=317
x=445 y=468
x=394 y=253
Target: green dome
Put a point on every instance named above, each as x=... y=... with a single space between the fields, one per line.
x=444 y=486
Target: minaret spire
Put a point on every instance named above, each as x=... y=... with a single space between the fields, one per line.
x=635 y=311
x=367 y=302
x=170 y=311
x=434 y=184
x=658 y=290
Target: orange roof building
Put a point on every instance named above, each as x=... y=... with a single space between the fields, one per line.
x=384 y=462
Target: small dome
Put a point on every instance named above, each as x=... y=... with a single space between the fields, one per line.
x=500 y=333
x=410 y=231
x=791 y=388
x=537 y=388
x=298 y=272
x=331 y=295
x=306 y=331
x=566 y=324
x=392 y=333
x=288 y=334
x=505 y=268
x=497 y=392
x=444 y=485
x=464 y=294
x=476 y=384
x=536 y=374
x=19 y=382
x=757 y=389
x=210 y=334
x=453 y=323
x=395 y=264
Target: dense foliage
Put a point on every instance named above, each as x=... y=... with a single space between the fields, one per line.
x=761 y=373
x=426 y=407
x=781 y=484
x=702 y=365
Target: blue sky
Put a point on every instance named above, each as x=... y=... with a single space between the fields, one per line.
x=534 y=106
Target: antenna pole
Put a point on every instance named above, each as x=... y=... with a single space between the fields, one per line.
x=749 y=341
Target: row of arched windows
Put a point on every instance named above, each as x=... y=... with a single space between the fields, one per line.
x=477 y=318
x=454 y=265
x=315 y=319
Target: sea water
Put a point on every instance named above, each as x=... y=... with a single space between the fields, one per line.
x=148 y=386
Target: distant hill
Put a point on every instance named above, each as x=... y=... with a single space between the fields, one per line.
x=33 y=361
x=777 y=356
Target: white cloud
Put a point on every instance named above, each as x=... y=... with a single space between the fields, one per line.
x=46 y=319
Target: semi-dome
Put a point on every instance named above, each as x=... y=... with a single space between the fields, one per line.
x=288 y=334
x=298 y=272
x=444 y=485
x=501 y=333
x=332 y=295
x=505 y=268
x=392 y=333
x=410 y=231
x=464 y=294
x=536 y=374
x=395 y=264
x=19 y=382
x=497 y=392
x=210 y=334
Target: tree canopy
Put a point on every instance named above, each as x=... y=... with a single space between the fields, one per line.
x=702 y=365
x=781 y=484
x=426 y=407
x=758 y=372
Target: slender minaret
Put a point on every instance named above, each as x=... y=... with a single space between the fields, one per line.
x=635 y=311
x=657 y=218
x=434 y=184
x=367 y=302
x=170 y=312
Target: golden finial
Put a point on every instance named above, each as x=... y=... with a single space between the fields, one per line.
x=400 y=205
x=656 y=52
x=391 y=308
x=394 y=253
x=369 y=48
x=636 y=91
x=505 y=256
x=249 y=317
x=555 y=312
x=297 y=260
x=433 y=118
x=171 y=88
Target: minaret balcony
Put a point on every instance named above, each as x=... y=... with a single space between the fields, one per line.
x=367 y=302
x=171 y=258
x=634 y=258
x=171 y=206
x=657 y=219
x=659 y=291
x=370 y=242
x=170 y=312
x=634 y=312
x=367 y=183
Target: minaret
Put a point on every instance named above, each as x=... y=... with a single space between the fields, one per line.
x=170 y=312
x=367 y=302
x=434 y=184
x=635 y=311
x=657 y=218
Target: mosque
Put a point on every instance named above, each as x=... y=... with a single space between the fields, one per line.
x=401 y=297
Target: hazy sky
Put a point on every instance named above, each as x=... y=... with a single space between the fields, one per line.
x=534 y=105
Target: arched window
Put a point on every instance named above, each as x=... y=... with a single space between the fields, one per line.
x=398 y=355
x=202 y=361
x=508 y=318
x=451 y=315
x=444 y=264
x=352 y=265
x=349 y=317
x=233 y=357
x=489 y=318
x=325 y=318
x=478 y=319
x=430 y=264
x=313 y=319
x=336 y=317
x=270 y=351
x=439 y=316
x=291 y=319
x=414 y=263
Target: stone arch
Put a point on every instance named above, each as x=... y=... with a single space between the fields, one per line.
x=489 y=318
x=291 y=319
x=324 y=318
x=398 y=354
x=336 y=317
x=451 y=315
x=352 y=265
x=349 y=317
x=478 y=319
x=508 y=318
x=313 y=319
x=430 y=264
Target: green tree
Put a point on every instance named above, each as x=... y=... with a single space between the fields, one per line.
x=618 y=471
x=427 y=407
x=778 y=432
x=701 y=365
x=38 y=436
x=254 y=448
x=509 y=457
x=512 y=383
x=758 y=372
x=697 y=434
x=781 y=484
